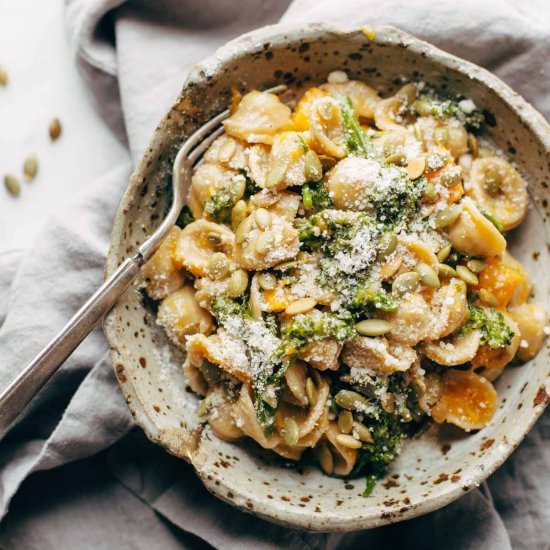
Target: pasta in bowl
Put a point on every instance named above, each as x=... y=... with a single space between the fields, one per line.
x=341 y=275
x=340 y=285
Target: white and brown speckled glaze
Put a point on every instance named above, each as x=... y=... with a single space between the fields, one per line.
x=443 y=463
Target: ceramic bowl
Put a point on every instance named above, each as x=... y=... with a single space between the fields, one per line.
x=442 y=464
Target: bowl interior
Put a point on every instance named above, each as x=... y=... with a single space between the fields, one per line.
x=442 y=463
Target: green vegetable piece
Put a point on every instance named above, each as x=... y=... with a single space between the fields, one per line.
x=185 y=217
x=495 y=332
x=354 y=135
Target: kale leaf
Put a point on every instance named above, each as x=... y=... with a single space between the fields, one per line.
x=495 y=332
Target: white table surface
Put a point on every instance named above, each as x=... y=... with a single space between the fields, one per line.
x=45 y=83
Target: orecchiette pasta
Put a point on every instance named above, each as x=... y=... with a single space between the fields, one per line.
x=345 y=275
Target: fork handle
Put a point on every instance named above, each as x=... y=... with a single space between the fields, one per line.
x=17 y=395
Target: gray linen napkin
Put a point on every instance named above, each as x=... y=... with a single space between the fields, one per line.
x=81 y=412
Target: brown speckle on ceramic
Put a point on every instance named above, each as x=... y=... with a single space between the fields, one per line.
x=149 y=368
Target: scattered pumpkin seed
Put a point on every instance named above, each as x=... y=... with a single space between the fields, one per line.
x=430 y=191
x=264 y=242
x=243 y=230
x=472 y=145
x=237 y=283
x=262 y=218
x=326 y=460
x=348 y=399
x=387 y=244
x=311 y=392
x=290 y=431
x=428 y=276
x=348 y=441
x=443 y=254
x=406 y=282
x=487 y=297
x=447 y=216
x=345 y=421
x=218 y=265
x=4 y=78
x=30 y=167
x=476 y=266
x=238 y=187
x=54 y=129
x=12 y=185
x=204 y=406
x=416 y=167
x=227 y=150
x=303 y=305
x=466 y=275
x=418 y=133
x=446 y=270
x=363 y=433
x=313 y=170
x=238 y=213
x=373 y=327
x=398 y=157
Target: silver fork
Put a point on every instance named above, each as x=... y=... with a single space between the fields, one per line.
x=32 y=378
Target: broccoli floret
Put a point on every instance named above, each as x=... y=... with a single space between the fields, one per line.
x=315 y=196
x=250 y=185
x=185 y=217
x=439 y=106
x=219 y=205
x=367 y=299
x=495 y=332
x=356 y=140
x=223 y=308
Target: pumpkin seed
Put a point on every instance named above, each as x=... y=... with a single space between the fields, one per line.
x=243 y=230
x=447 y=216
x=4 y=78
x=54 y=129
x=311 y=392
x=30 y=168
x=348 y=441
x=363 y=433
x=204 y=406
x=430 y=191
x=472 y=145
x=238 y=213
x=218 y=265
x=466 y=275
x=238 y=187
x=326 y=460
x=398 y=157
x=443 y=254
x=264 y=242
x=373 y=327
x=387 y=244
x=446 y=270
x=345 y=422
x=476 y=266
x=237 y=283
x=313 y=169
x=290 y=432
x=303 y=305
x=428 y=276
x=348 y=399
x=12 y=185
x=262 y=218
x=418 y=133
x=275 y=175
x=416 y=167
x=487 y=297
x=227 y=150
x=267 y=281
x=406 y=282
x=423 y=107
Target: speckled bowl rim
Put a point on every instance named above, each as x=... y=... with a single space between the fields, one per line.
x=279 y=35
